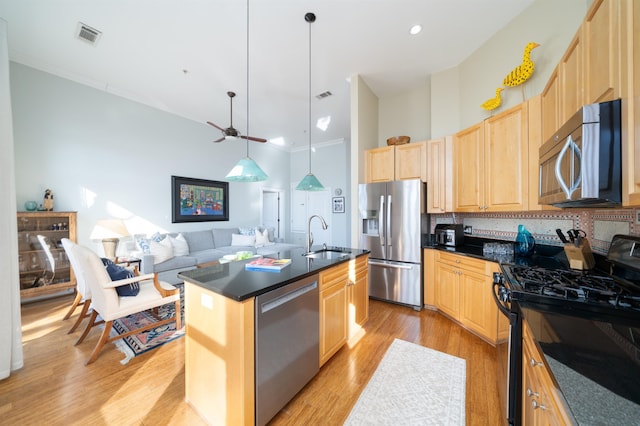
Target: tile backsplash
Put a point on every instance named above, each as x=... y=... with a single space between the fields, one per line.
x=600 y=225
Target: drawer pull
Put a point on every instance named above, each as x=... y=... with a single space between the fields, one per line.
x=535 y=363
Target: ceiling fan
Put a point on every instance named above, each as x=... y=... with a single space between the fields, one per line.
x=231 y=131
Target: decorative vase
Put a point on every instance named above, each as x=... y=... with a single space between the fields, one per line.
x=30 y=206
x=525 y=242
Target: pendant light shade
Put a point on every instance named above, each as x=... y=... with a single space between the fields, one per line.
x=247 y=170
x=310 y=182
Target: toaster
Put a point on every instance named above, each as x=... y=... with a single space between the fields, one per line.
x=449 y=234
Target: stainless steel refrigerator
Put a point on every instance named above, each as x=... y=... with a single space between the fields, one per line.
x=390 y=215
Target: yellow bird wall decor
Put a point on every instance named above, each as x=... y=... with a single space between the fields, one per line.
x=493 y=103
x=522 y=72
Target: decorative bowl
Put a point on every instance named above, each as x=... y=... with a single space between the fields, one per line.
x=398 y=140
x=31 y=206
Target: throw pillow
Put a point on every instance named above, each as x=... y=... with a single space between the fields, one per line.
x=157 y=237
x=117 y=273
x=143 y=245
x=180 y=245
x=242 y=240
x=161 y=251
x=262 y=238
x=248 y=231
x=272 y=233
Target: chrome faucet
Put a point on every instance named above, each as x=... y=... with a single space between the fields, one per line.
x=309 y=234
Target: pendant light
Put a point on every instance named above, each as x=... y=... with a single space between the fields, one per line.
x=310 y=182
x=247 y=170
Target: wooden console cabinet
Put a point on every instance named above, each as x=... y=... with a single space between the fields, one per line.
x=42 y=272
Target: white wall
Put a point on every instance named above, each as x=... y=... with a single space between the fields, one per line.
x=105 y=156
x=550 y=23
x=407 y=113
x=451 y=101
x=364 y=136
x=330 y=164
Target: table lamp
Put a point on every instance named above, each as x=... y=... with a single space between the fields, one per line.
x=109 y=231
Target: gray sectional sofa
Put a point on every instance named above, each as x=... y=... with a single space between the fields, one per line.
x=204 y=246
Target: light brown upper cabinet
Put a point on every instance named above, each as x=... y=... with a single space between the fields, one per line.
x=630 y=83
x=396 y=162
x=490 y=166
x=601 y=52
x=563 y=94
x=589 y=70
x=440 y=175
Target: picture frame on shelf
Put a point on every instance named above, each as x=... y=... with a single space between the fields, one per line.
x=198 y=200
x=338 y=204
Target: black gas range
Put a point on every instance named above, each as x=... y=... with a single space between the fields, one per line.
x=590 y=294
x=579 y=304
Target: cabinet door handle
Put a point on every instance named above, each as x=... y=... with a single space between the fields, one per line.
x=536 y=405
x=532 y=393
x=535 y=363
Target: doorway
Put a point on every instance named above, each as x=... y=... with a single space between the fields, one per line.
x=272 y=211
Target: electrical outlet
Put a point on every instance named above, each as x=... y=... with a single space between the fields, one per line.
x=468 y=230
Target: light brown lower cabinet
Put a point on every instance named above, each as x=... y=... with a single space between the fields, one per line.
x=463 y=288
x=333 y=310
x=541 y=400
x=344 y=304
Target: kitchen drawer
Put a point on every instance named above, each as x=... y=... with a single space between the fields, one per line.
x=465 y=262
x=361 y=263
x=335 y=275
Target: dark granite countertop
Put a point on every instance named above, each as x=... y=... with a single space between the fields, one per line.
x=233 y=281
x=544 y=255
x=595 y=364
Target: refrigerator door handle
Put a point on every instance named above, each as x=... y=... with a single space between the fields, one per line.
x=389 y=219
x=390 y=265
x=381 y=222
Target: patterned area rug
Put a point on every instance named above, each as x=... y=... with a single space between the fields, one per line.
x=413 y=385
x=140 y=343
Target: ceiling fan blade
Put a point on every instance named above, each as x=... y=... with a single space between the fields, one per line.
x=251 y=138
x=219 y=140
x=215 y=125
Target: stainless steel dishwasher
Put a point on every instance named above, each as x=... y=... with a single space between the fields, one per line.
x=287 y=344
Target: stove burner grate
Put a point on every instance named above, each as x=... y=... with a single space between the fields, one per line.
x=576 y=286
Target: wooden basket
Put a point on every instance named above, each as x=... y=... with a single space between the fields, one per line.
x=398 y=140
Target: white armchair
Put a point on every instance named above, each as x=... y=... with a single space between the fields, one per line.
x=83 y=293
x=106 y=302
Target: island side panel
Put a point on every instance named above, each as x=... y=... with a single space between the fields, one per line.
x=219 y=357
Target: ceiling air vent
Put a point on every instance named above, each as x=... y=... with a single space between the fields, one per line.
x=88 y=34
x=324 y=95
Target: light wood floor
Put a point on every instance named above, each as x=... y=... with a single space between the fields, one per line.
x=55 y=388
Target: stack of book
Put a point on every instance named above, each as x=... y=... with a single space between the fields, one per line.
x=267 y=264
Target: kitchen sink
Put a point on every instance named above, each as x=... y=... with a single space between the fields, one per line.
x=328 y=254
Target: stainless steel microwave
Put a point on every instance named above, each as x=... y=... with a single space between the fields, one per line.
x=581 y=166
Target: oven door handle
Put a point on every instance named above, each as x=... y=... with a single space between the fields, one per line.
x=501 y=306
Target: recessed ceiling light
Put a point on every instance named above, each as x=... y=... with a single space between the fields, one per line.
x=415 y=29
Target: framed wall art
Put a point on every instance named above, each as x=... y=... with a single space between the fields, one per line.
x=338 y=204
x=198 y=200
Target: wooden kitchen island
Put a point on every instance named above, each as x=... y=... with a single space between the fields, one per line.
x=220 y=318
